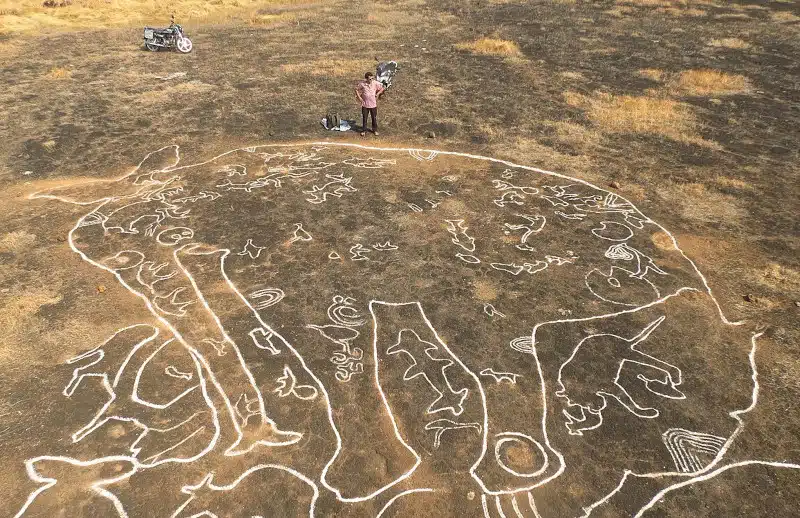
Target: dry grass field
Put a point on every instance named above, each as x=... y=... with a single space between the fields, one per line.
x=689 y=109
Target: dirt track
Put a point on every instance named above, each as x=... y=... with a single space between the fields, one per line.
x=727 y=190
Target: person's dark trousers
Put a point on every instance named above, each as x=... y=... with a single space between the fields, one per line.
x=373 y=112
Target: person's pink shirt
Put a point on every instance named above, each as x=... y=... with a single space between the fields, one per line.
x=369 y=93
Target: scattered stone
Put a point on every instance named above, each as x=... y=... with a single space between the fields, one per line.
x=616 y=185
x=471 y=495
x=776 y=333
x=56 y=3
x=797 y=303
x=749 y=298
x=101 y=289
x=430 y=134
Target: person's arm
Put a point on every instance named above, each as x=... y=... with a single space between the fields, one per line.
x=381 y=89
x=358 y=94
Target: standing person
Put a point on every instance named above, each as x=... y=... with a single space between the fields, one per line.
x=367 y=92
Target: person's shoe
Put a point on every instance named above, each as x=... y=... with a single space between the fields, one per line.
x=363 y=133
x=375 y=133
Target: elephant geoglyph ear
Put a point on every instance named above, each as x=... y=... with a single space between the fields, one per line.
x=87 y=191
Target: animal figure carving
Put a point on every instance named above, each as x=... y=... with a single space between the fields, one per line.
x=590 y=377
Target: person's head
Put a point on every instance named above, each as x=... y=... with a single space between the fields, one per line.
x=369 y=76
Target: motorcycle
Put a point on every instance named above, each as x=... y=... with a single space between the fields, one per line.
x=169 y=38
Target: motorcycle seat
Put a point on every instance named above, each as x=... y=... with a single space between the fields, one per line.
x=156 y=30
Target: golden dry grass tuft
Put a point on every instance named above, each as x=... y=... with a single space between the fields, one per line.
x=733 y=183
x=574 y=76
x=653 y=74
x=259 y=19
x=685 y=4
x=675 y=11
x=484 y=290
x=172 y=92
x=620 y=11
x=575 y=135
x=492 y=47
x=785 y=17
x=696 y=202
x=354 y=68
x=16 y=241
x=16 y=312
x=640 y=115
x=729 y=43
x=709 y=82
x=59 y=73
x=780 y=278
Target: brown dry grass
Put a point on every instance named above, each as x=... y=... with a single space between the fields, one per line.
x=577 y=136
x=329 y=67
x=259 y=19
x=620 y=11
x=733 y=183
x=491 y=47
x=574 y=76
x=686 y=4
x=653 y=74
x=785 y=17
x=640 y=114
x=729 y=43
x=780 y=278
x=675 y=11
x=172 y=92
x=16 y=241
x=17 y=313
x=709 y=82
x=484 y=290
x=30 y=15
x=695 y=201
x=59 y=73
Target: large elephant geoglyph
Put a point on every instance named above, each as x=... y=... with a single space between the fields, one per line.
x=378 y=331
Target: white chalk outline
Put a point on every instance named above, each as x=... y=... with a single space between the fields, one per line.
x=500 y=377
x=208 y=481
x=399 y=495
x=323 y=145
x=97 y=486
x=620 y=393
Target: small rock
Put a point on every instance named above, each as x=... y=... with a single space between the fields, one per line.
x=471 y=495
x=430 y=134
x=101 y=289
x=749 y=298
x=797 y=303
x=615 y=185
x=777 y=333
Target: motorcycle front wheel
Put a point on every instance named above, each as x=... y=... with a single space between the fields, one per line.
x=184 y=45
x=151 y=47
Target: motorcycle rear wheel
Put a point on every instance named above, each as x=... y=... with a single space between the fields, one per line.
x=151 y=47
x=184 y=45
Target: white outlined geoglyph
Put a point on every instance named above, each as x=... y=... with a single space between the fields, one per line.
x=236 y=352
